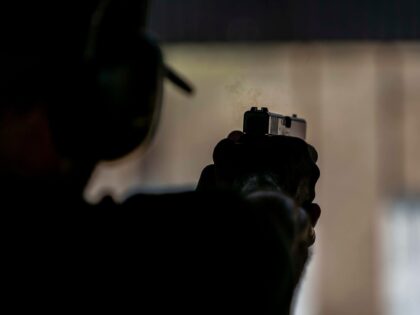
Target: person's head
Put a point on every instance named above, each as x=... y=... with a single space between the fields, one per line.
x=81 y=82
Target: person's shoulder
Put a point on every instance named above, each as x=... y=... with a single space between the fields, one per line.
x=182 y=200
x=188 y=208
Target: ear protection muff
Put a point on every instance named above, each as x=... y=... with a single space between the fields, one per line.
x=108 y=101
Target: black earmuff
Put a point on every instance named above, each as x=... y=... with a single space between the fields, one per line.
x=109 y=100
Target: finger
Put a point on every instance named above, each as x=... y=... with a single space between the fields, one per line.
x=235 y=135
x=207 y=179
x=311 y=237
x=313 y=153
x=314 y=212
x=223 y=152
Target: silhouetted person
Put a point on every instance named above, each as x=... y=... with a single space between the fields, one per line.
x=81 y=84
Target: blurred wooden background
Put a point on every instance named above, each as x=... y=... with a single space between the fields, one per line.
x=362 y=104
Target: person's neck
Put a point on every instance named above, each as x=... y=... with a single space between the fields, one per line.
x=67 y=183
x=76 y=174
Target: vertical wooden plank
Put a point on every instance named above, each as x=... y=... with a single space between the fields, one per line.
x=306 y=63
x=348 y=181
x=411 y=112
x=390 y=120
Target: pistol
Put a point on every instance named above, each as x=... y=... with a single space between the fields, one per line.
x=260 y=122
